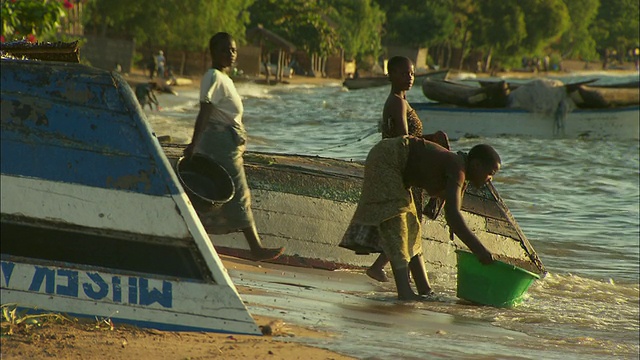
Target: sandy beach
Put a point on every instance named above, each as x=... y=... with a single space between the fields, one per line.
x=306 y=312
x=72 y=338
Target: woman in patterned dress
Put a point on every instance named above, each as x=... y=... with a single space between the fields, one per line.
x=398 y=119
x=386 y=220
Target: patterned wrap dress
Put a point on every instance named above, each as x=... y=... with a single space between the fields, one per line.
x=385 y=219
x=414 y=126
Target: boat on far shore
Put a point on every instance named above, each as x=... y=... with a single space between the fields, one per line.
x=463 y=122
x=606 y=96
x=540 y=108
x=382 y=80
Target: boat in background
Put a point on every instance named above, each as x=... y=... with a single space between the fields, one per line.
x=462 y=122
x=487 y=95
x=599 y=97
x=540 y=108
x=94 y=220
x=305 y=204
x=382 y=80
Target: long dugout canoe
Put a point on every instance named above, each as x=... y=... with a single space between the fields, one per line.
x=305 y=203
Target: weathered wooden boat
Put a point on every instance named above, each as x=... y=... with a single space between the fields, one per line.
x=460 y=122
x=515 y=84
x=305 y=203
x=536 y=109
x=606 y=97
x=94 y=220
x=488 y=95
x=382 y=80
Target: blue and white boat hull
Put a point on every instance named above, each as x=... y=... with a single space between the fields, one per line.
x=94 y=220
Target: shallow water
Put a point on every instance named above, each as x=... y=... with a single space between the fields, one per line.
x=577 y=201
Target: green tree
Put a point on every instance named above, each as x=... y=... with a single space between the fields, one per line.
x=359 y=24
x=577 y=41
x=507 y=30
x=462 y=11
x=214 y=16
x=417 y=23
x=303 y=22
x=545 y=22
x=616 y=26
x=32 y=19
x=178 y=25
x=182 y=24
x=498 y=28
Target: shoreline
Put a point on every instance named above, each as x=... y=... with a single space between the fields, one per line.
x=93 y=338
x=137 y=76
x=570 y=67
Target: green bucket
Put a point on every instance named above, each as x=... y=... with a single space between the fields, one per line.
x=497 y=284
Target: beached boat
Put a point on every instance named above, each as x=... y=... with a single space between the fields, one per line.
x=606 y=96
x=382 y=80
x=460 y=122
x=305 y=203
x=586 y=94
x=488 y=95
x=537 y=109
x=94 y=220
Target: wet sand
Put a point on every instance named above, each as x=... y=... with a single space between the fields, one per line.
x=355 y=309
x=311 y=313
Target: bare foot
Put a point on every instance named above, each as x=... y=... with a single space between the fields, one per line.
x=418 y=297
x=377 y=274
x=428 y=295
x=410 y=297
x=265 y=254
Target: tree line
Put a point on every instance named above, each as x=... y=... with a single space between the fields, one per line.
x=500 y=32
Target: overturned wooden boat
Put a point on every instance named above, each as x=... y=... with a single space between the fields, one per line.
x=94 y=220
x=606 y=97
x=305 y=203
x=540 y=108
x=488 y=95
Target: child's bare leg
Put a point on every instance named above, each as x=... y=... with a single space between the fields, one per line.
x=376 y=270
x=401 y=276
x=419 y=273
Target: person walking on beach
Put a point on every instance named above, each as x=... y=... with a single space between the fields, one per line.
x=398 y=119
x=386 y=220
x=220 y=135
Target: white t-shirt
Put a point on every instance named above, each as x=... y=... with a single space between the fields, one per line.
x=218 y=89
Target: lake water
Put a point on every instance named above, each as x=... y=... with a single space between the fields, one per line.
x=577 y=201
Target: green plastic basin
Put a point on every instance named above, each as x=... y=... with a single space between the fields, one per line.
x=498 y=284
